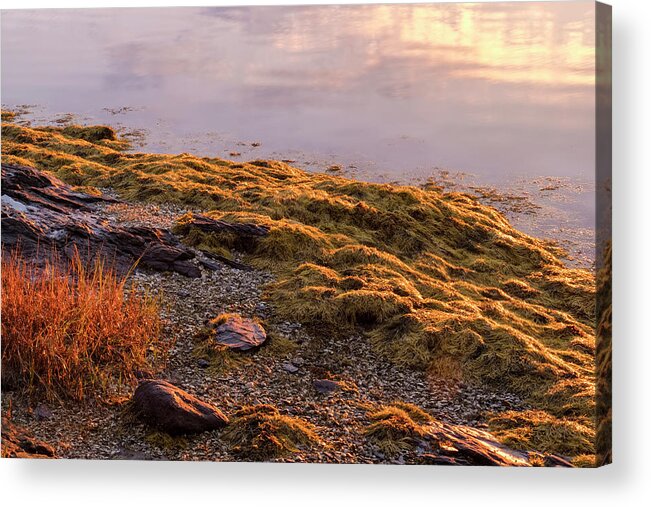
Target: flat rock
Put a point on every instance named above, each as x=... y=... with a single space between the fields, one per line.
x=290 y=368
x=239 y=333
x=207 y=224
x=325 y=386
x=208 y=264
x=18 y=443
x=173 y=410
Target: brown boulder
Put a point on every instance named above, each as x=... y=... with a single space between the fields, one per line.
x=174 y=411
x=239 y=333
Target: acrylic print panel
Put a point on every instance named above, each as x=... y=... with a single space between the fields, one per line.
x=339 y=234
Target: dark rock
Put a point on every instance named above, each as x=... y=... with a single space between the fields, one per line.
x=290 y=368
x=167 y=257
x=551 y=460
x=325 y=386
x=224 y=260
x=42 y=412
x=174 y=411
x=203 y=363
x=245 y=235
x=208 y=264
x=41 y=214
x=240 y=334
x=207 y=224
x=18 y=443
x=433 y=459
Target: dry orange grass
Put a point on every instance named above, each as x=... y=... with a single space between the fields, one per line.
x=70 y=330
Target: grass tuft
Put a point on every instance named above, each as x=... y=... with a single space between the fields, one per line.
x=396 y=428
x=221 y=358
x=163 y=440
x=539 y=431
x=261 y=433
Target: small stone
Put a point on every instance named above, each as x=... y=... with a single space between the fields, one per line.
x=203 y=363
x=43 y=412
x=289 y=367
x=298 y=361
x=325 y=386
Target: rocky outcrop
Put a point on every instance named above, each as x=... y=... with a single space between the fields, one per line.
x=18 y=443
x=238 y=333
x=172 y=410
x=463 y=445
x=41 y=215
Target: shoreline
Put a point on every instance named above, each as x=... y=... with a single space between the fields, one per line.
x=422 y=280
x=529 y=202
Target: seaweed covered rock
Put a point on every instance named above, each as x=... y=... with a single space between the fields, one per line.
x=42 y=215
x=18 y=443
x=174 y=411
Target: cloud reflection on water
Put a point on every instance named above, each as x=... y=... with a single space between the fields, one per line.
x=497 y=89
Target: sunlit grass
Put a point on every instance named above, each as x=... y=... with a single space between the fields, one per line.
x=396 y=428
x=261 y=432
x=70 y=330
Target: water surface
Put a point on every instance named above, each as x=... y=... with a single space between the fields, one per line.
x=501 y=93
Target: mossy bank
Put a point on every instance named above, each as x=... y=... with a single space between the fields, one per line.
x=436 y=280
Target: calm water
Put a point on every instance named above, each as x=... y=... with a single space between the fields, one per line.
x=500 y=94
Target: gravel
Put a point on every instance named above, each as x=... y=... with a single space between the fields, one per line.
x=271 y=375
